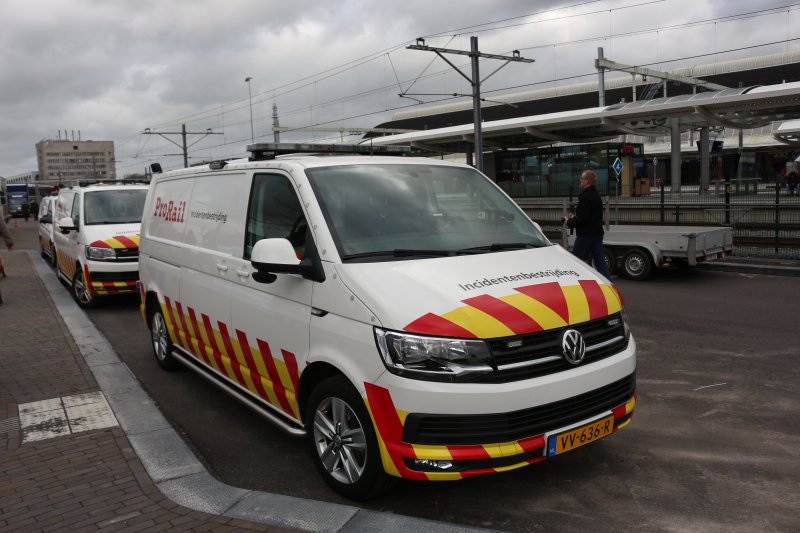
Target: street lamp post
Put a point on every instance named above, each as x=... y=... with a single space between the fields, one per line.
x=250 y=94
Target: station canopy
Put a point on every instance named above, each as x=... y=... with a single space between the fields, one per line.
x=739 y=108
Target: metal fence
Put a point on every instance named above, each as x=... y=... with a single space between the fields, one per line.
x=765 y=217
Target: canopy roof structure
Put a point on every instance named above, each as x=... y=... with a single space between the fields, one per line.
x=743 y=107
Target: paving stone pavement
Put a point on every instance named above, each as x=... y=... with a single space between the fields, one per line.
x=83 y=481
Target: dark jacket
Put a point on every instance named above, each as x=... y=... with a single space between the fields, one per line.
x=588 y=219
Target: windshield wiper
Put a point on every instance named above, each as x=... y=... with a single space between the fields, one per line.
x=399 y=252
x=497 y=247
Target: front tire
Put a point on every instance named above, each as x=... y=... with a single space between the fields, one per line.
x=343 y=441
x=162 y=344
x=80 y=290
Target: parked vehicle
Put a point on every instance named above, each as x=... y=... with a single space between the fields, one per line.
x=635 y=251
x=401 y=313
x=97 y=239
x=17 y=198
x=46 y=228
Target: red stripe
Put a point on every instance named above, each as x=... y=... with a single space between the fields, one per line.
x=125 y=241
x=619 y=295
x=291 y=366
x=513 y=318
x=100 y=244
x=468 y=453
x=391 y=429
x=176 y=330
x=532 y=443
x=196 y=332
x=431 y=324
x=551 y=295
x=274 y=377
x=598 y=307
x=187 y=338
x=212 y=339
x=226 y=340
x=251 y=364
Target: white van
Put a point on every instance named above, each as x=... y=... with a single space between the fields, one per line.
x=402 y=313
x=97 y=239
x=46 y=228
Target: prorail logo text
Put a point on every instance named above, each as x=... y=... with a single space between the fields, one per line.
x=170 y=211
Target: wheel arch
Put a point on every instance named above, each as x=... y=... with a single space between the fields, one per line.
x=313 y=375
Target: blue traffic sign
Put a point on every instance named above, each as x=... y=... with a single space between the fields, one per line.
x=617 y=166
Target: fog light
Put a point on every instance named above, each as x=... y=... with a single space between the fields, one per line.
x=428 y=464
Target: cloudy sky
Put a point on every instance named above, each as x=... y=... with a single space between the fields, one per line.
x=109 y=69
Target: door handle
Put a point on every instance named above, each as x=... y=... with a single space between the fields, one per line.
x=242 y=273
x=222 y=267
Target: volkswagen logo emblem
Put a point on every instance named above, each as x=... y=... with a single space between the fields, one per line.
x=572 y=346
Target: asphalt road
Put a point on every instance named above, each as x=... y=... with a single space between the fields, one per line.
x=714 y=444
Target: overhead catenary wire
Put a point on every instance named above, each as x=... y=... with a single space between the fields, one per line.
x=346 y=67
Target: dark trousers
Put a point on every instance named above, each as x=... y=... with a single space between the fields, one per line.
x=591 y=247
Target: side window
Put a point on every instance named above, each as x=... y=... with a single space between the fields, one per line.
x=275 y=211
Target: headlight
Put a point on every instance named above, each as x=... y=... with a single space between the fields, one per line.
x=433 y=358
x=626 y=329
x=100 y=254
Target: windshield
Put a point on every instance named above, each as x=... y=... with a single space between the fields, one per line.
x=117 y=206
x=405 y=211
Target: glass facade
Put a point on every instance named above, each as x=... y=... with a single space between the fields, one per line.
x=554 y=170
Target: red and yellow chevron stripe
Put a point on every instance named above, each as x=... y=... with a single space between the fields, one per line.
x=388 y=422
x=251 y=365
x=120 y=241
x=530 y=309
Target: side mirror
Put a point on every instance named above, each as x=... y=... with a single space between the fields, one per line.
x=66 y=224
x=46 y=219
x=277 y=256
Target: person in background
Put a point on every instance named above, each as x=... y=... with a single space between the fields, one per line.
x=588 y=224
x=25 y=208
x=34 y=209
x=5 y=233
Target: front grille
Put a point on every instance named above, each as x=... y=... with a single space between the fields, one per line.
x=539 y=354
x=127 y=254
x=115 y=276
x=505 y=427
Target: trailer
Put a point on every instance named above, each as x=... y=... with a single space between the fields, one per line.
x=635 y=251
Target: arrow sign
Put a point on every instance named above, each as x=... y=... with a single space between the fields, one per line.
x=617 y=166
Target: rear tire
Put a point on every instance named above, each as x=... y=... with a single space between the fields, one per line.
x=343 y=442
x=611 y=260
x=637 y=264
x=162 y=344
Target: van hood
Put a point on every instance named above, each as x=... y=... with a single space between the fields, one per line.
x=117 y=236
x=483 y=296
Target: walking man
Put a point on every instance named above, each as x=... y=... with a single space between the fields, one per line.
x=588 y=224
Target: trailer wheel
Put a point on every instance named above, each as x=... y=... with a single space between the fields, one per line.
x=637 y=264
x=611 y=260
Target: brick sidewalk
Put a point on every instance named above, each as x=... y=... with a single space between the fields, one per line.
x=82 y=481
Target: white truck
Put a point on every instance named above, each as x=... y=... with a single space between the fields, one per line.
x=635 y=250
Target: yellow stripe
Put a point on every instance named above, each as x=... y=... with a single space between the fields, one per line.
x=630 y=405
x=542 y=314
x=245 y=371
x=436 y=453
x=612 y=300
x=576 y=303
x=478 y=323
x=388 y=464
